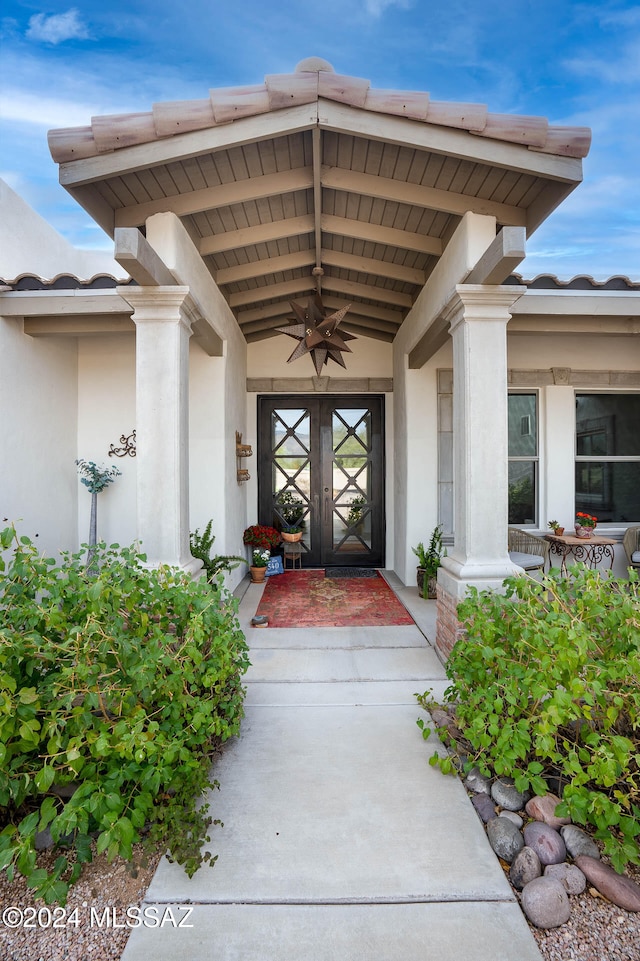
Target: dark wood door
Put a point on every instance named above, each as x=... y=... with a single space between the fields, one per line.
x=322 y=458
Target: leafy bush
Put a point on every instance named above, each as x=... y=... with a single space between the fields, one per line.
x=114 y=689
x=547 y=684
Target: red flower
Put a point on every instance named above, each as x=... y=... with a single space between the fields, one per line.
x=258 y=535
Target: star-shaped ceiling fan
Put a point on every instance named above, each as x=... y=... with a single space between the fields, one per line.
x=317 y=332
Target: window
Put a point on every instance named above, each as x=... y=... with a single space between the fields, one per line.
x=523 y=458
x=608 y=456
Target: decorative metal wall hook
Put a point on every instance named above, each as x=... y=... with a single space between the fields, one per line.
x=128 y=448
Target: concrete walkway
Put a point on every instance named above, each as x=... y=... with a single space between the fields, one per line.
x=340 y=842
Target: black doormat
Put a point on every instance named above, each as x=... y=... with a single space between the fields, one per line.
x=350 y=572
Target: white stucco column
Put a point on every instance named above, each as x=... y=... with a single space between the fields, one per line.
x=478 y=317
x=162 y=316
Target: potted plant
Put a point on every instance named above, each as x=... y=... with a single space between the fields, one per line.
x=585 y=524
x=260 y=557
x=290 y=508
x=356 y=511
x=259 y=535
x=555 y=527
x=429 y=561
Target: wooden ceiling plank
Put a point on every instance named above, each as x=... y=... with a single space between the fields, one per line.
x=370 y=292
x=223 y=196
x=317 y=194
x=377 y=268
x=300 y=285
x=260 y=313
x=367 y=331
x=260 y=268
x=431 y=197
x=365 y=310
x=390 y=236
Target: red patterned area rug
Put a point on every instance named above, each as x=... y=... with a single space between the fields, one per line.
x=309 y=599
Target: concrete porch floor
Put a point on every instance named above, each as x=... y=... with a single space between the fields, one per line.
x=339 y=841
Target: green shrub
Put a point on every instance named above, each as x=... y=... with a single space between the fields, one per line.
x=547 y=683
x=201 y=546
x=114 y=688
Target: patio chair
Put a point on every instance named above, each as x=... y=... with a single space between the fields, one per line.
x=528 y=550
x=631 y=544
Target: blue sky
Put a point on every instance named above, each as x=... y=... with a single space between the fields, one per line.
x=575 y=63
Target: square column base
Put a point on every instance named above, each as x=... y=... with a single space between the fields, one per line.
x=450 y=592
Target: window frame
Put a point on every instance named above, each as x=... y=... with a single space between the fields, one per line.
x=602 y=458
x=528 y=458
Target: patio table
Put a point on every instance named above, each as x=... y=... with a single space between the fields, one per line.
x=589 y=550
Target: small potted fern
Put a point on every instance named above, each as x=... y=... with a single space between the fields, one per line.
x=429 y=561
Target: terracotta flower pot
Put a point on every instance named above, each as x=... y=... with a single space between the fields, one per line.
x=291 y=538
x=257 y=574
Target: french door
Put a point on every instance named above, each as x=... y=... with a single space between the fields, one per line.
x=322 y=459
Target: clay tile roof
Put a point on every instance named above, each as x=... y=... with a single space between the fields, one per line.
x=313 y=80
x=580 y=282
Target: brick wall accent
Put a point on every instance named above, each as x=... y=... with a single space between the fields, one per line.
x=448 y=627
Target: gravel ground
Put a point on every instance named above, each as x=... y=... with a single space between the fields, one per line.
x=597 y=930
x=103 y=887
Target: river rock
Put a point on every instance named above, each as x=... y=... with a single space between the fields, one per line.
x=543 y=809
x=504 y=793
x=524 y=868
x=570 y=877
x=43 y=840
x=476 y=781
x=484 y=806
x=504 y=838
x=579 y=842
x=546 y=903
x=616 y=887
x=513 y=817
x=546 y=842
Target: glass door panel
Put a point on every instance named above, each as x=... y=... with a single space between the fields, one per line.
x=321 y=467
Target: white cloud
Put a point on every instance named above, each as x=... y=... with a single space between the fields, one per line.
x=57 y=28
x=377 y=7
x=47 y=112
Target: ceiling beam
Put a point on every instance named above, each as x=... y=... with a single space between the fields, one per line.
x=368 y=331
x=365 y=310
x=610 y=326
x=260 y=234
x=139 y=259
x=224 y=195
x=62 y=303
x=273 y=292
x=376 y=268
x=415 y=195
x=260 y=268
x=317 y=197
x=260 y=313
x=366 y=291
x=500 y=258
x=376 y=234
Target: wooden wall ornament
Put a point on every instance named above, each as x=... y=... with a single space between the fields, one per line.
x=317 y=333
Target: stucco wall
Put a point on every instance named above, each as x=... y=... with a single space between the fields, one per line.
x=28 y=244
x=106 y=411
x=369 y=358
x=38 y=401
